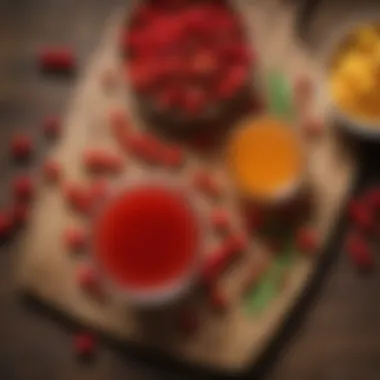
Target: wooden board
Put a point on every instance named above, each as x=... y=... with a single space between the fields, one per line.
x=227 y=342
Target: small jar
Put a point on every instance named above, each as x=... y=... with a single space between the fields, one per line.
x=267 y=165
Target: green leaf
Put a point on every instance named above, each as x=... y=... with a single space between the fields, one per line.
x=264 y=293
x=280 y=97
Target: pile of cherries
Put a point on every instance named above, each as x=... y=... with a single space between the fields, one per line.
x=186 y=55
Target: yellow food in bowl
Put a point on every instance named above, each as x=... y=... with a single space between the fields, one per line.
x=354 y=76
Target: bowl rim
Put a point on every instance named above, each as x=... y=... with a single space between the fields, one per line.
x=359 y=127
x=175 y=288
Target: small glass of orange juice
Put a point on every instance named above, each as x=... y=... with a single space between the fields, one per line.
x=266 y=160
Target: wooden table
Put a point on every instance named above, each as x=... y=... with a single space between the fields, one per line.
x=336 y=334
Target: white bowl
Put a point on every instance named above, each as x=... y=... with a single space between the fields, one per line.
x=177 y=288
x=356 y=126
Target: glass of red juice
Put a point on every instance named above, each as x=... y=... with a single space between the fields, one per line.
x=146 y=242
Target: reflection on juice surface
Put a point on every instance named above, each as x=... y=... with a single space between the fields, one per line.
x=264 y=157
x=146 y=238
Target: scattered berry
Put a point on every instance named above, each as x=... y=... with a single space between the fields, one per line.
x=75 y=238
x=21 y=147
x=119 y=122
x=361 y=214
x=145 y=147
x=219 y=260
x=205 y=183
x=359 y=251
x=79 y=198
x=52 y=127
x=220 y=220
x=214 y=265
x=84 y=344
x=57 y=59
x=99 y=161
x=306 y=240
x=52 y=171
x=88 y=280
x=23 y=188
x=372 y=199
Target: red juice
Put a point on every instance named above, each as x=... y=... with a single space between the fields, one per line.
x=146 y=238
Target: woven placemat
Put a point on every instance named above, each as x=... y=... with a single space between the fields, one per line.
x=229 y=341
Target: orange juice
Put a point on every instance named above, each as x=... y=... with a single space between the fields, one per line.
x=265 y=159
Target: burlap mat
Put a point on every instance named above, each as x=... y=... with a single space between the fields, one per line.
x=229 y=341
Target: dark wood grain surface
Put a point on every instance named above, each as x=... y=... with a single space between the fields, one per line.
x=337 y=336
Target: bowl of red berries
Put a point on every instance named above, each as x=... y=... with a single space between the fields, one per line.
x=188 y=62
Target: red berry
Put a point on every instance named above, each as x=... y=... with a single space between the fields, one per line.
x=20 y=212
x=372 y=198
x=306 y=240
x=361 y=214
x=203 y=64
x=237 y=53
x=233 y=80
x=6 y=224
x=205 y=183
x=52 y=171
x=221 y=257
x=118 y=120
x=99 y=160
x=75 y=238
x=194 y=101
x=57 y=59
x=220 y=220
x=168 y=98
x=214 y=264
x=359 y=251
x=21 y=146
x=142 y=75
x=23 y=188
x=78 y=197
x=88 y=280
x=52 y=127
x=145 y=146
x=84 y=344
